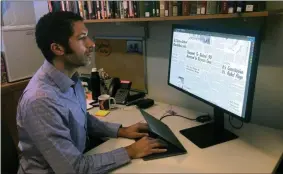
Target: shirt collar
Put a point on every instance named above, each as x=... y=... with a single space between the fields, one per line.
x=59 y=78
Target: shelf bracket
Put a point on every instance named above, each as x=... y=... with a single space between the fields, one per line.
x=146 y=30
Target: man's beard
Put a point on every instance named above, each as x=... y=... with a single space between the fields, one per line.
x=78 y=60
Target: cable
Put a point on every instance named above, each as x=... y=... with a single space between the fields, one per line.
x=164 y=116
x=239 y=127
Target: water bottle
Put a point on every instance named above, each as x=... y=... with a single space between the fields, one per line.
x=95 y=84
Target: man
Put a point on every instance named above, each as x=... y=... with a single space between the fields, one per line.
x=53 y=124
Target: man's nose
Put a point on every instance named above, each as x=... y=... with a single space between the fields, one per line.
x=90 y=44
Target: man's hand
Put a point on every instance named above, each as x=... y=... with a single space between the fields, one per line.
x=144 y=147
x=135 y=131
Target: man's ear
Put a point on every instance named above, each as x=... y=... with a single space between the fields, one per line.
x=57 y=49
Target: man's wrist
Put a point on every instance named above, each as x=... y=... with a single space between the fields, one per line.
x=121 y=132
x=130 y=151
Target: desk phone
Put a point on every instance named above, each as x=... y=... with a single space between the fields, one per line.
x=123 y=92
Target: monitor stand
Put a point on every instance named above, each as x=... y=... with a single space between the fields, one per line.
x=210 y=134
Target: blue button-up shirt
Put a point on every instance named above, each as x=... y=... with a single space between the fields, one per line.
x=53 y=123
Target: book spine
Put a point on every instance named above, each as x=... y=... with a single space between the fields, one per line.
x=107 y=10
x=153 y=8
x=76 y=7
x=162 y=8
x=157 y=8
x=81 y=8
x=147 y=9
x=166 y=8
x=224 y=7
x=85 y=10
x=141 y=9
x=211 y=7
x=231 y=7
x=218 y=7
x=112 y=7
x=94 y=10
x=122 y=11
x=179 y=6
x=49 y=5
x=117 y=9
x=90 y=11
x=126 y=9
x=185 y=8
x=240 y=6
x=203 y=7
x=131 y=9
x=198 y=7
x=63 y=6
x=68 y=5
x=98 y=10
x=175 y=8
x=170 y=8
x=252 y=6
x=193 y=9
x=136 y=9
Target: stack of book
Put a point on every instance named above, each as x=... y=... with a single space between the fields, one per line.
x=138 y=9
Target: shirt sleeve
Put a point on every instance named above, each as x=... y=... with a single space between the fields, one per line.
x=100 y=128
x=49 y=132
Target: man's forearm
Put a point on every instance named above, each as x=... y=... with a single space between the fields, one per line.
x=100 y=128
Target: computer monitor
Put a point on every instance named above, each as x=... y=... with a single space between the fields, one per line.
x=217 y=66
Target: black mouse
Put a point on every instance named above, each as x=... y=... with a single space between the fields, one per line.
x=203 y=118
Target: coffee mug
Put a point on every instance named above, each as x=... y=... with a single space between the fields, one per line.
x=105 y=102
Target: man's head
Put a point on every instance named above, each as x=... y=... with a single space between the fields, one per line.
x=63 y=36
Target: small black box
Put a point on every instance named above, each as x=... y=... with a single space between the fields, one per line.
x=145 y=103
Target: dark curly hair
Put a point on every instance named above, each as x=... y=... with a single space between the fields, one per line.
x=55 y=27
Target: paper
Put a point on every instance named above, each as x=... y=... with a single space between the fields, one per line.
x=88 y=106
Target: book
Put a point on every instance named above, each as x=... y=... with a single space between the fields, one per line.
x=211 y=7
x=147 y=8
x=175 y=8
x=166 y=8
x=240 y=6
x=185 y=8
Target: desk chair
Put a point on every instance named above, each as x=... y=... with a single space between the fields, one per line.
x=9 y=154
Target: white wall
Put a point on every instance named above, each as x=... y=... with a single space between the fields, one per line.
x=19 y=13
x=40 y=8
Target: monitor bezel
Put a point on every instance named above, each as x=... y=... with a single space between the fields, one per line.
x=236 y=31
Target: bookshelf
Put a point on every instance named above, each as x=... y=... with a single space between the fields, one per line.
x=176 y=18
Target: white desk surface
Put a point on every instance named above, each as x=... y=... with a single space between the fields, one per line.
x=257 y=150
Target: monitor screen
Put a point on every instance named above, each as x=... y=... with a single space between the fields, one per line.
x=212 y=66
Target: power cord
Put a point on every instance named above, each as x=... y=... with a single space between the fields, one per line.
x=170 y=113
x=235 y=127
x=164 y=116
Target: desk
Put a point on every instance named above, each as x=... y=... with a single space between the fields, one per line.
x=257 y=150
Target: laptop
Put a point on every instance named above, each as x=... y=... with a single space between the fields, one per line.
x=162 y=132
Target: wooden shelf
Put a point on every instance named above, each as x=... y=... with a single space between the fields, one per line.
x=176 y=18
